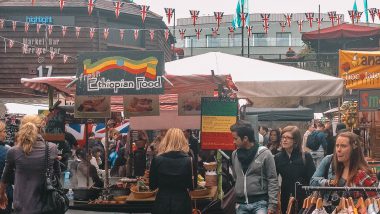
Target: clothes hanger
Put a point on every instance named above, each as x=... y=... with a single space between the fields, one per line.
x=360 y=203
x=305 y=202
x=367 y=202
x=319 y=204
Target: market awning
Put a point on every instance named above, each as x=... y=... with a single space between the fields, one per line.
x=342 y=31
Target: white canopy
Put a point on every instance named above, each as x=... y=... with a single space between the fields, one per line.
x=265 y=84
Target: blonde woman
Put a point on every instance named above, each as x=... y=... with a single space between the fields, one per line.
x=170 y=172
x=3 y=155
x=27 y=161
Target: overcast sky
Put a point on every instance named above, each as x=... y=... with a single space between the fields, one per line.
x=207 y=7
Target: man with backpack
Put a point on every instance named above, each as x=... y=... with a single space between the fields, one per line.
x=317 y=143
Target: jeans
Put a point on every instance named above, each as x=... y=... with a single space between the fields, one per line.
x=260 y=207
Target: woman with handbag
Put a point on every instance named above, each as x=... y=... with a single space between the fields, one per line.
x=171 y=173
x=29 y=160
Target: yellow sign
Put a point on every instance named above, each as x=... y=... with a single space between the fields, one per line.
x=360 y=69
x=217 y=123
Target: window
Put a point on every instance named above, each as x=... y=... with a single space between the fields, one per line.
x=190 y=41
x=260 y=39
x=212 y=42
x=283 y=39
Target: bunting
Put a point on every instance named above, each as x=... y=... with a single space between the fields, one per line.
x=339 y=19
x=214 y=31
x=288 y=18
x=352 y=14
x=24 y=48
x=14 y=25
x=26 y=27
x=265 y=17
x=2 y=23
x=50 y=29
x=65 y=58
x=52 y=55
x=231 y=30
x=332 y=17
x=61 y=4
x=90 y=6
x=169 y=13
x=358 y=16
x=38 y=51
x=77 y=31
x=144 y=11
x=118 y=5
x=310 y=18
x=218 y=17
x=11 y=43
x=194 y=15
x=243 y=18
x=283 y=26
x=167 y=33
x=266 y=28
x=182 y=33
x=92 y=33
x=64 y=29
x=319 y=22
x=136 y=33
x=121 y=31
x=372 y=12
x=106 y=32
x=300 y=23
x=198 y=33
x=249 y=31
x=151 y=34
x=38 y=27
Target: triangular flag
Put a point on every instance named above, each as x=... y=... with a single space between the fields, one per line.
x=65 y=58
x=265 y=17
x=136 y=33
x=2 y=21
x=38 y=51
x=144 y=11
x=118 y=5
x=50 y=29
x=167 y=32
x=11 y=43
x=64 y=29
x=339 y=19
x=198 y=33
x=372 y=12
x=169 y=13
x=14 y=25
x=310 y=18
x=194 y=15
x=121 y=31
x=243 y=18
x=332 y=17
x=151 y=33
x=61 y=4
x=52 y=55
x=218 y=17
x=26 y=27
x=288 y=18
x=77 y=31
x=182 y=33
x=38 y=27
x=319 y=22
x=92 y=32
x=90 y=6
x=231 y=30
x=283 y=26
x=352 y=14
x=266 y=28
x=214 y=32
x=300 y=23
x=105 y=33
x=358 y=16
x=249 y=31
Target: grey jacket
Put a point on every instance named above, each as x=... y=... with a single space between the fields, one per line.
x=260 y=178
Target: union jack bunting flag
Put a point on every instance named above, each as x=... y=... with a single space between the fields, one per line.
x=92 y=33
x=182 y=33
x=169 y=13
x=77 y=31
x=121 y=31
x=218 y=17
x=151 y=33
x=243 y=18
x=194 y=15
x=136 y=33
x=2 y=23
x=214 y=32
x=352 y=14
x=310 y=18
x=198 y=33
x=300 y=23
x=283 y=26
x=288 y=18
x=61 y=4
x=64 y=29
x=118 y=5
x=319 y=22
x=372 y=12
x=167 y=32
x=249 y=30
x=332 y=17
x=14 y=25
x=26 y=27
x=106 y=32
x=339 y=19
x=231 y=30
x=266 y=28
x=90 y=6
x=144 y=11
x=358 y=16
x=38 y=27
x=265 y=17
x=50 y=29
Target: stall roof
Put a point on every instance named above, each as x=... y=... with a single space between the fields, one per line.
x=266 y=84
x=281 y=114
x=341 y=31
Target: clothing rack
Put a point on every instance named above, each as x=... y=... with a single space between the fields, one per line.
x=314 y=188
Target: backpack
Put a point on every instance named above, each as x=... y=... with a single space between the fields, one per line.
x=312 y=141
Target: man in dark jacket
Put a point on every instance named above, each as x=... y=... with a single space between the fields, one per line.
x=254 y=170
x=194 y=147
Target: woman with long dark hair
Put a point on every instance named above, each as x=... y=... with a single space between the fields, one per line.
x=274 y=143
x=293 y=165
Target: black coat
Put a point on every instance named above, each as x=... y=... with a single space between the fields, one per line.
x=171 y=174
x=292 y=170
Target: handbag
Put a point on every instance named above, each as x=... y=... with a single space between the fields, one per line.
x=54 y=199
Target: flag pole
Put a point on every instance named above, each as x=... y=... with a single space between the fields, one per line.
x=319 y=31
x=248 y=25
x=242 y=30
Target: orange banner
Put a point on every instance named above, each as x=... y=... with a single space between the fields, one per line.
x=360 y=69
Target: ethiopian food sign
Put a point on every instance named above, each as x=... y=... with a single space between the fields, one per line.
x=120 y=73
